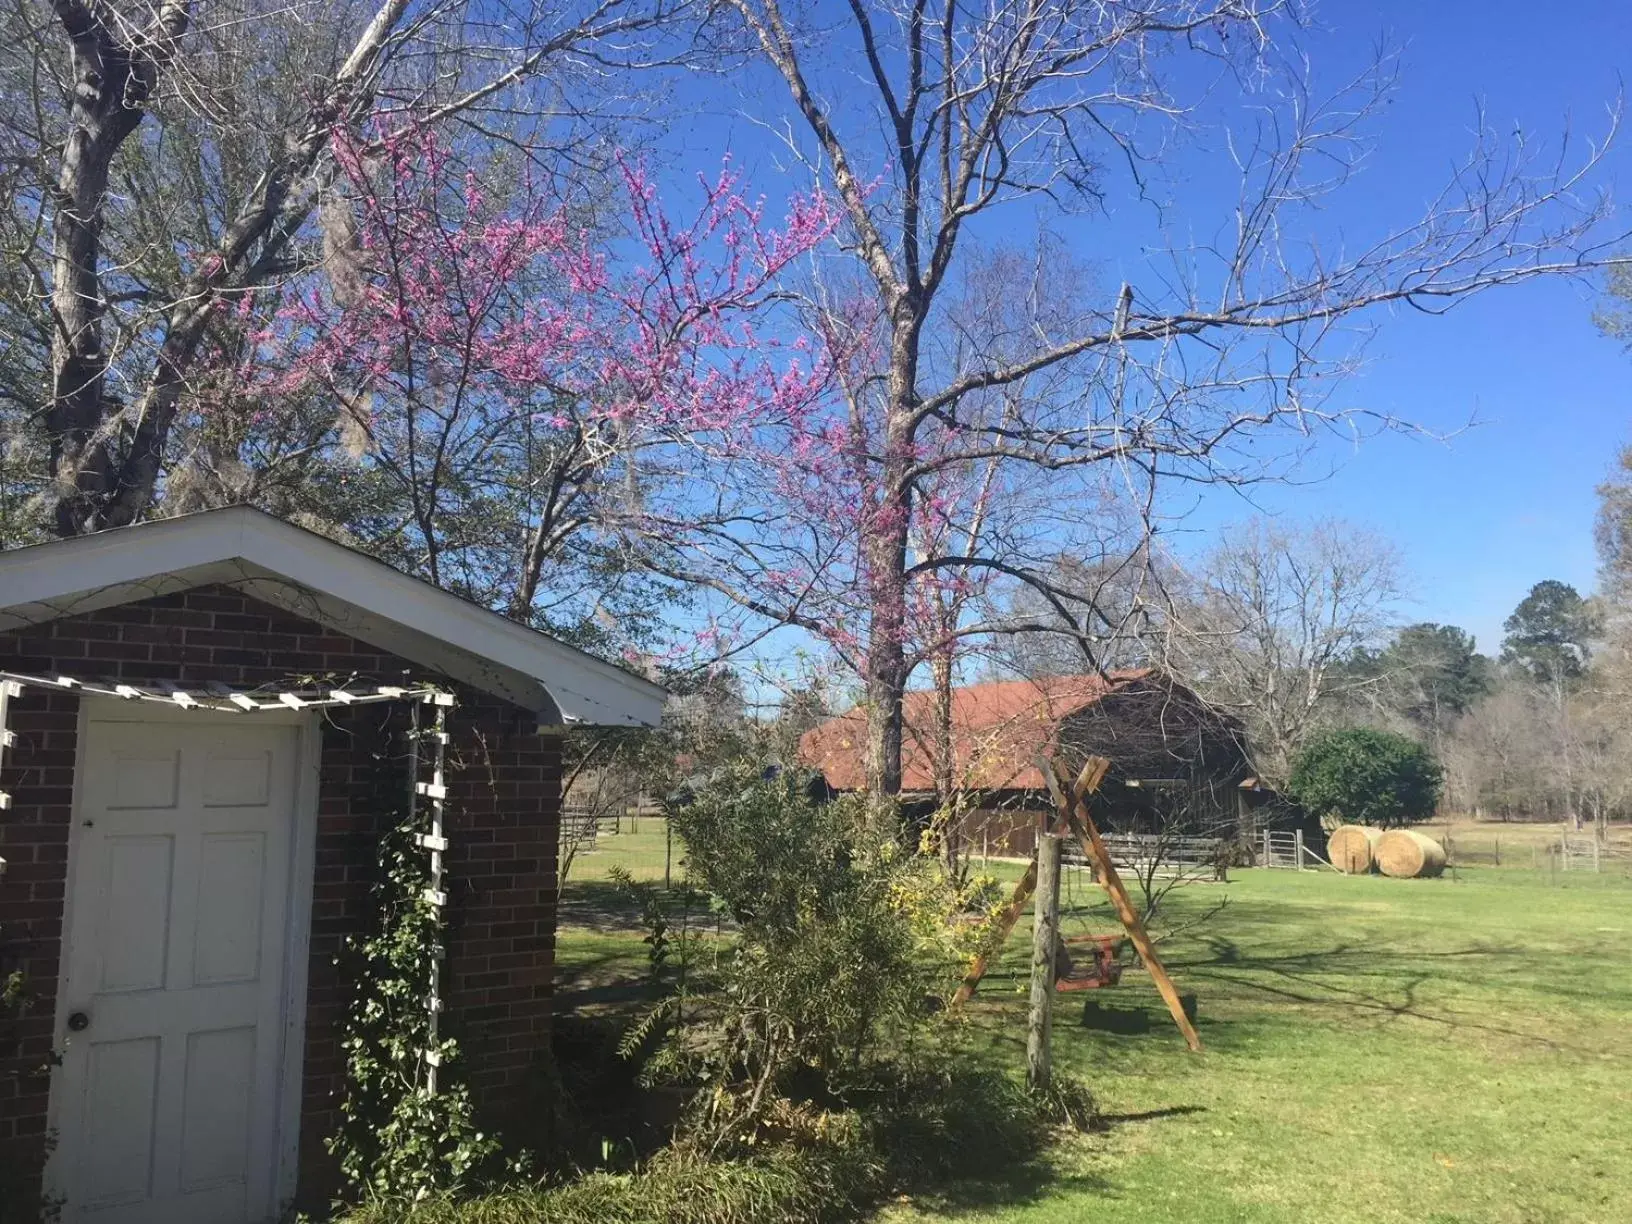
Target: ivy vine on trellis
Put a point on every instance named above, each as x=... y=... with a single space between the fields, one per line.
x=407 y=1124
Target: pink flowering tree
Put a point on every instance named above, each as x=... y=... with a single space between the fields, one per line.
x=524 y=409
x=515 y=391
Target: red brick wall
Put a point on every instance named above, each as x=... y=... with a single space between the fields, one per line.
x=504 y=808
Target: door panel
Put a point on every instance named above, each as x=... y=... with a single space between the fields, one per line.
x=237 y=780
x=144 y=779
x=220 y=1085
x=122 y=1089
x=132 y=934
x=227 y=927
x=167 y=1099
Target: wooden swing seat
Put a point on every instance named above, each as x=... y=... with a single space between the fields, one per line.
x=1098 y=969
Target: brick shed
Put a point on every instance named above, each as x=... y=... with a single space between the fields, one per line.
x=196 y=740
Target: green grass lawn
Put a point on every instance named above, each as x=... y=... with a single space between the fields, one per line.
x=599 y=959
x=1377 y=1050
x=638 y=850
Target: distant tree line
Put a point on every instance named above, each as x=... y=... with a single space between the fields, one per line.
x=1289 y=630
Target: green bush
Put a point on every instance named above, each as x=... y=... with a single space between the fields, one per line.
x=843 y=947
x=823 y=1075
x=781 y=1187
x=907 y=1134
x=953 y=1122
x=1369 y=777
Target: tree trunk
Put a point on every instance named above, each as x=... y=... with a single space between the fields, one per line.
x=947 y=794
x=886 y=683
x=887 y=555
x=111 y=84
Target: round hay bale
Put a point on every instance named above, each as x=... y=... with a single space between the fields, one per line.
x=1406 y=854
x=1353 y=848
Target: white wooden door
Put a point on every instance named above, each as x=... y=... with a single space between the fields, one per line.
x=166 y=1102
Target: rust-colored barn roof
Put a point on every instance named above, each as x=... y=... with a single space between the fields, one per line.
x=997 y=730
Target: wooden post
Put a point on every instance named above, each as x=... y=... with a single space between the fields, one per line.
x=1298 y=843
x=1267 y=862
x=1045 y=934
x=1597 y=864
x=1074 y=811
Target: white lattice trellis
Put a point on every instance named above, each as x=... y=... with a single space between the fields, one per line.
x=435 y=793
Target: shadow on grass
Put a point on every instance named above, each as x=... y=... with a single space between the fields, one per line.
x=1366 y=985
x=607 y=907
x=1371 y=982
x=1112 y=1121
x=1032 y=1181
x=1020 y=1186
x=1102 y=1015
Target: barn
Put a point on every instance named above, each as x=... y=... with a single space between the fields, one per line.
x=1174 y=759
x=199 y=715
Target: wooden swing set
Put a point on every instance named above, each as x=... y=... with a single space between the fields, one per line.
x=1072 y=816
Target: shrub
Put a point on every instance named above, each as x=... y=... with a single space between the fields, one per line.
x=955 y=1121
x=782 y=1187
x=842 y=945
x=823 y=1078
x=816 y=1167
x=1364 y=776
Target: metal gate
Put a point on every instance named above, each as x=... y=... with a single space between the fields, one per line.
x=1284 y=848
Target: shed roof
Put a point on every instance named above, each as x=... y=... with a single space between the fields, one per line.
x=998 y=729
x=346 y=590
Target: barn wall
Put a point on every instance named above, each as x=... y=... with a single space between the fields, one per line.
x=504 y=809
x=1154 y=732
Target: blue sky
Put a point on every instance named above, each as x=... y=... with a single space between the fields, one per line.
x=1484 y=515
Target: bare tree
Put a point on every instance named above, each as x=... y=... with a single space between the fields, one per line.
x=170 y=158
x=1189 y=374
x=1272 y=616
x=1122 y=583
x=1601 y=751
x=1502 y=756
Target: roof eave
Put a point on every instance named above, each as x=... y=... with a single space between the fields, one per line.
x=336 y=586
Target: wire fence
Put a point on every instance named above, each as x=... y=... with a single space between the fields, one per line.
x=1535 y=849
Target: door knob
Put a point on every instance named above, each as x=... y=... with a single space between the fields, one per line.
x=78 y=1022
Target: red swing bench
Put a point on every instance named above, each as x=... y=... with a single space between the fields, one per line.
x=1097 y=969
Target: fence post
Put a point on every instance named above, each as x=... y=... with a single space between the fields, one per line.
x=1297 y=842
x=1267 y=862
x=1044 y=940
x=1597 y=862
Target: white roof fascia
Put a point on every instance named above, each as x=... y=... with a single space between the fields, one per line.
x=335 y=585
